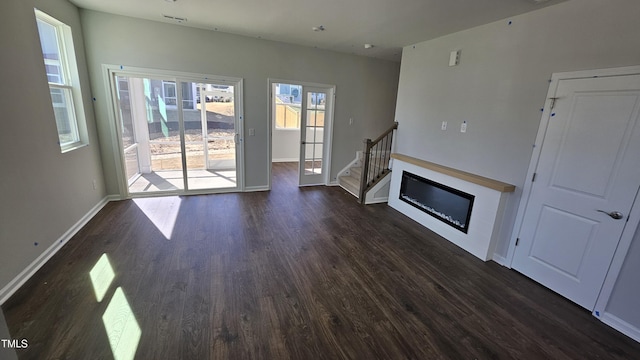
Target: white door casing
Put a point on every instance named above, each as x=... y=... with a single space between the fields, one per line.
x=588 y=162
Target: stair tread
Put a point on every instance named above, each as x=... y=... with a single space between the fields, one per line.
x=348 y=186
x=351 y=181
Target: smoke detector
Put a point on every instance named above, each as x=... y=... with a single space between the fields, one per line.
x=318 y=28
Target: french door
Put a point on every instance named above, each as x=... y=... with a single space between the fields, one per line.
x=177 y=135
x=317 y=103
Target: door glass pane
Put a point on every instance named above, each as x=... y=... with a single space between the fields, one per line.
x=310 y=135
x=151 y=130
x=128 y=136
x=314 y=133
x=311 y=117
x=164 y=136
x=132 y=166
x=210 y=135
x=124 y=107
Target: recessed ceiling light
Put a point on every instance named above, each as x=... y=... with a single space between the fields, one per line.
x=318 y=28
x=171 y=1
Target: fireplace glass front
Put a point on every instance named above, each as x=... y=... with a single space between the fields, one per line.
x=444 y=203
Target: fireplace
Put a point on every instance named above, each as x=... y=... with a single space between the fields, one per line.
x=449 y=205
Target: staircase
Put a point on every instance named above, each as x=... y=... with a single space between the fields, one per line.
x=366 y=177
x=350 y=179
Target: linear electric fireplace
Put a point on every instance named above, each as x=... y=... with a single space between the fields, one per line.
x=449 y=205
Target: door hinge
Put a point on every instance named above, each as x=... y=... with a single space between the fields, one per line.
x=533 y=178
x=517 y=241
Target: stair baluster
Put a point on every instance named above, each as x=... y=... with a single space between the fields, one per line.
x=380 y=150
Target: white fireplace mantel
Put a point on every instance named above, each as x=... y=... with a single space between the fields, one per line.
x=488 y=206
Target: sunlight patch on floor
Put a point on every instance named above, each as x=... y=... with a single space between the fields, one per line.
x=101 y=277
x=121 y=326
x=162 y=212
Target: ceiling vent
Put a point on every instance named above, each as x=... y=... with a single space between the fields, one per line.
x=175 y=18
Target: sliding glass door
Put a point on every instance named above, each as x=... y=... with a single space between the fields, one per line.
x=177 y=135
x=210 y=137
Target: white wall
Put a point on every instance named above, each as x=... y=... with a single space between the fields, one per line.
x=43 y=192
x=366 y=88
x=6 y=354
x=285 y=145
x=501 y=83
x=500 y=87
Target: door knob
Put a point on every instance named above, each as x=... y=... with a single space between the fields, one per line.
x=614 y=214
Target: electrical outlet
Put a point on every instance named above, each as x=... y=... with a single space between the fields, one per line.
x=463 y=127
x=444 y=126
x=95 y=184
x=252 y=132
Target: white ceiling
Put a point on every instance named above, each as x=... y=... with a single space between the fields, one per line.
x=387 y=24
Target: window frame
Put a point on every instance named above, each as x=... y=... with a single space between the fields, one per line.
x=69 y=83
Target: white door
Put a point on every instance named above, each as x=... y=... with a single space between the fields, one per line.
x=586 y=179
x=316 y=116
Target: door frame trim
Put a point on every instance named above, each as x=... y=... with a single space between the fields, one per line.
x=109 y=71
x=328 y=146
x=634 y=216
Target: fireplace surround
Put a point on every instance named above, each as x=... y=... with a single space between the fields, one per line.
x=484 y=225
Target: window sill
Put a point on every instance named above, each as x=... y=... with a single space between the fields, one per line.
x=71 y=147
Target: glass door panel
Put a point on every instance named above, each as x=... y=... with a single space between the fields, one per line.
x=313 y=136
x=163 y=127
x=150 y=134
x=128 y=134
x=211 y=147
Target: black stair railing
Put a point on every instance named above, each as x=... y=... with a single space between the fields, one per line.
x=375 y=162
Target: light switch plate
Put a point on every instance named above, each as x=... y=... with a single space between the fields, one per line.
x=444 y=125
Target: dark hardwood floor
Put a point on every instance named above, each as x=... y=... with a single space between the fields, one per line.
x=290 y=274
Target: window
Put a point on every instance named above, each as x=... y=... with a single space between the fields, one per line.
x=287 y=104
x=64 y=85
x=169 y=88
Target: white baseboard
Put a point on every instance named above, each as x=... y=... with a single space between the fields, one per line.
x=500 y=260
x=15 y=284
x=286 y=160
x=256 y=188
x=621 y=325
x=378 y=201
